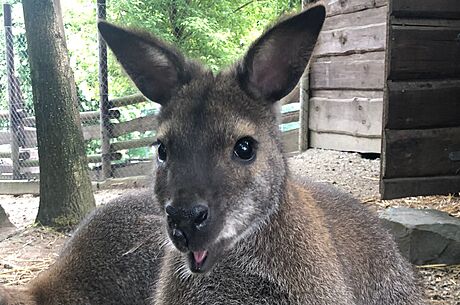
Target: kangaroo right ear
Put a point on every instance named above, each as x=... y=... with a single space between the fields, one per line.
x=155 y=68
x=274 y=64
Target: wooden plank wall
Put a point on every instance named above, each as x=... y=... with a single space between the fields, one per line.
x=421 y=152
x=347 y=77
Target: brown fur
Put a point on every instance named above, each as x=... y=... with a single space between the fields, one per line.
x=112 y=258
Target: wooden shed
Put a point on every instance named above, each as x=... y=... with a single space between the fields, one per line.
x=385 y=78
x=421 y=125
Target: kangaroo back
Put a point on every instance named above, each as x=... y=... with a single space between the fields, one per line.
x=113 y=257
x=16 y=296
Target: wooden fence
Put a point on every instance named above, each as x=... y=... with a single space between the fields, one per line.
x=28 y=161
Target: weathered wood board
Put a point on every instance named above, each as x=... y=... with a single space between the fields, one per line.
x=337 y=7
x=359 y=117
x=358 y=18
x=432 y=104
x=422 y=186
x=422 y=152
x=351 y=40
x=344 y=142
x=353 y=72
x=141 y=124
x=448 y=9
x=290 y=117
x=135 y=143
x=421 y=52
x=290 y=140
x=347 y=94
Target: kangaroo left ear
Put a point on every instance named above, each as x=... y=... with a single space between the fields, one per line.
x=275 y=62
x=155 y=67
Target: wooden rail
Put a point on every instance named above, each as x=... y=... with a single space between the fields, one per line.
x=127 y=100
x=85 y=117
x=141 y=124
x=289 y=116
x=143 y=142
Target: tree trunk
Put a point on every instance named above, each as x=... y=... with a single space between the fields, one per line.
x=65 y=188
x=4 y=221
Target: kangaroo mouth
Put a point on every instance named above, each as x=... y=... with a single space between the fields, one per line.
x=197 y=261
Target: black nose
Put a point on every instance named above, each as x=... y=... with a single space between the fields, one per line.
x=185 y=224
x=195 y=216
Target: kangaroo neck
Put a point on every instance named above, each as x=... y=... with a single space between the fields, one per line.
x=307 y=249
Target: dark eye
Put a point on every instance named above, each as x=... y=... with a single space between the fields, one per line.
x=244 y=149
x=162 y=152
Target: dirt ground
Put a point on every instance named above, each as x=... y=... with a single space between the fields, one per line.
x=29 y=249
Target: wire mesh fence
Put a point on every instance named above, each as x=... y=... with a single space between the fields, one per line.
x=118 y=123
x=125 y=126
x=17 y=135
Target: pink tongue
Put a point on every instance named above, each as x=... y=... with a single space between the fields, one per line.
x=199 y=256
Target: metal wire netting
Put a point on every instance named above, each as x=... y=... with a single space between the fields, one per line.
x=17 y=135
x=129 y=121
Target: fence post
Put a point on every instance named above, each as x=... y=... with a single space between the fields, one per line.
x=304 y=99
x=15 y=113
x=103 y=97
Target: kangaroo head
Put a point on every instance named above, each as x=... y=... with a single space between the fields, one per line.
x=221 y=171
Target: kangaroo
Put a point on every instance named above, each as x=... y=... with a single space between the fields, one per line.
x=113 y=257
x=227 y=224
x=243 y=230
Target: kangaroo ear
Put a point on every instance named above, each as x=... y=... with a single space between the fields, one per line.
x=156 y=68
x=275 y=62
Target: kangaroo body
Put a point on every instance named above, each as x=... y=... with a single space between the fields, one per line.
x=112 y=258
x=120 y=255
x=238 y=229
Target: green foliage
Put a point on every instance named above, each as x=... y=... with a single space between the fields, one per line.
x=215 y=32
x=81 y=34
